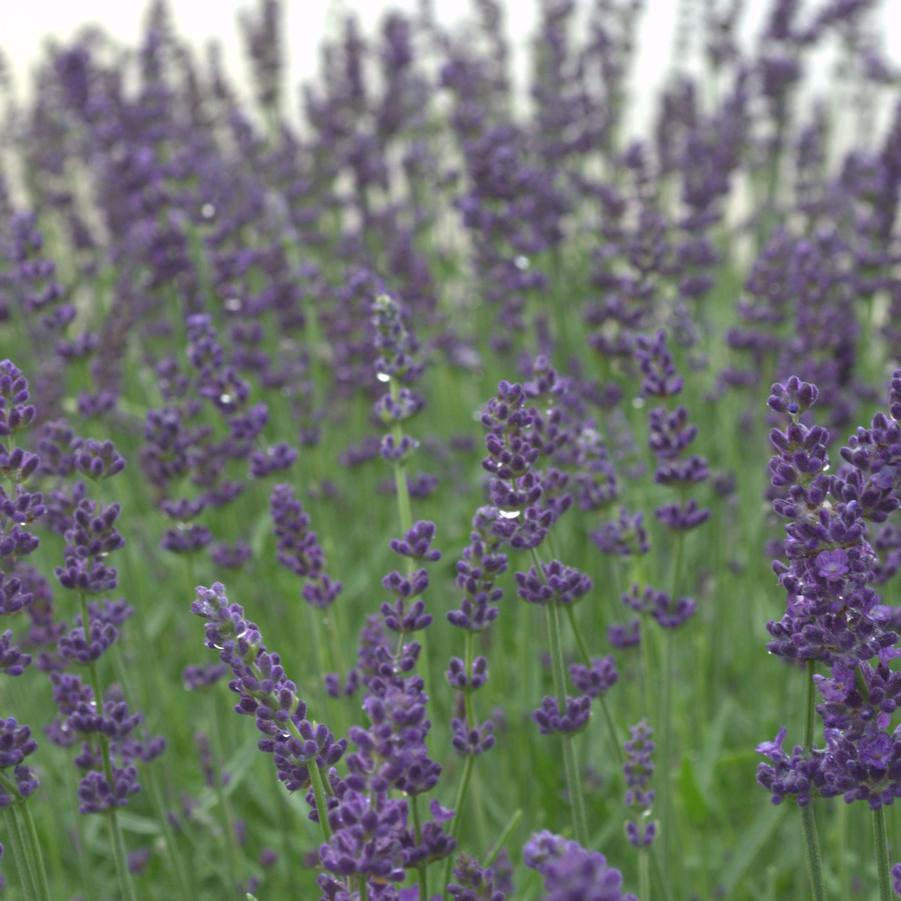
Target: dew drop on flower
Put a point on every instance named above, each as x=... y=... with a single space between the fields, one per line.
x=383 y=377
x=508 y=514
x=638 y=402
x=521 y=262
x=233 y=304
x=208 y=211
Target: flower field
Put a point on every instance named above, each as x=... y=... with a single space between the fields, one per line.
x=425 y=483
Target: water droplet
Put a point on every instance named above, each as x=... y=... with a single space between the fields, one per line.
x=208 y=211
x=233 y=304
x=638 y=402
x=225 y=398
x=508 y=514
x=383 y=377
x=521 y=262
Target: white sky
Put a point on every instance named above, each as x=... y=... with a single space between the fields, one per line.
x=25 y=23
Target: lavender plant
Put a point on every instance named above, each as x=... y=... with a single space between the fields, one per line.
x=234 y=310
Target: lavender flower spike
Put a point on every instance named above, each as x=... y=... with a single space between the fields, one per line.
x=298 y=746
x=571 y=872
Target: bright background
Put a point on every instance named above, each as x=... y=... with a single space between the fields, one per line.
x=26 y=25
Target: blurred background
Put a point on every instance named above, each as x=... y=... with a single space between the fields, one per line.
x=27 y=26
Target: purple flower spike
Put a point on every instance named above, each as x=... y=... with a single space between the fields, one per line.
x=264 y=691
x=594 y=680
x=15 y=410
x=560 y=585
x=16 y=744
x=573 y=718
x=638 y=769
x=417 y=543
x=571 y=872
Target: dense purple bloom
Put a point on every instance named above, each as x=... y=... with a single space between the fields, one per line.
x=570 y=871
x=265 y=692
x=573 y=717
x=596 y=679
x=299 y=549
x=477 y=570
x=473 y=882
x=16 y=744
x=558 y=584
x=638 y=769
x=623 y=536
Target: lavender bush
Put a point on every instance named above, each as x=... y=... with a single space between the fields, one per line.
x=444 y=399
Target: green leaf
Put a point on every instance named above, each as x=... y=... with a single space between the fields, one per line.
x=749 y=846
x=692 y=799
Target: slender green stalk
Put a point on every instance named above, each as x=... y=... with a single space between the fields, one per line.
x=570 y=768
x=814 y=863
x=506 y=832
x=364 y=888
x=22 y=873
x=462 y=788
x=172 y=849
x=31 y=837
x=808 y=820
x=644 y=876
x=882 y=856
x=405 y=513
x=321 y=803
x=120 y=858
x=230 y=840
x=666 y=717
x=605 y=707
x=422 y=870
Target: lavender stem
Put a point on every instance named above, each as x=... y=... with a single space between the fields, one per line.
x=882 y=865
x=811 y=840
x=570 y=769
x=119 y=855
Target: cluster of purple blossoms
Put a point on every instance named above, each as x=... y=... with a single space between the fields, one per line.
x=104 y=722
x=478 y=568
x=397 y=365
x=833 y=617
x=639 y=797
x=19 y=508
x=670 y=435
x=16 y=745
x=570 y=871
x=265 y=692
x=299 y=549
x=473 y=882
x=372 y=836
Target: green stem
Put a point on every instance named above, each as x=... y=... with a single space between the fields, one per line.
x=882 y=865
x=570 y=768
x=506 y=832
x=417 y=831
x=120 y=857
x=644 y=876
x=405 y=513
x=21 y=856
x=462 y=788
x=172 y=849
x=808 y=820
x=605 y=707
x=364 y=888
x=814 y=864
x=31 y=837
x=232 y=850
x=321 y=805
